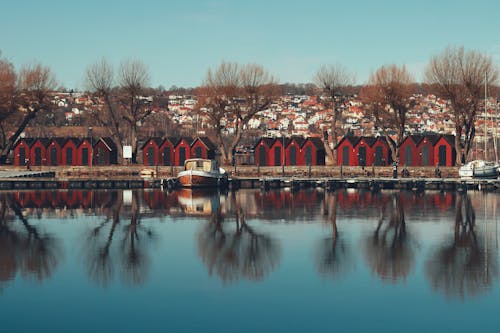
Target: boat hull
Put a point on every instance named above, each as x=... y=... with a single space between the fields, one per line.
x=196 y=179
x=479 y=169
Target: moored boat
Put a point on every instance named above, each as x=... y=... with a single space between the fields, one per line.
x=479 y=169
x=200 y=172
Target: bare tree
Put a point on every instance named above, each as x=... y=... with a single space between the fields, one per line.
x=333 y=80
x=460 y=76
x=124 y=109
x=388 y=98
x=22 y=96
x=234 y=94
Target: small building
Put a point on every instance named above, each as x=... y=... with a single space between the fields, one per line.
x=346 y=151
x=85 y=150
x=313 y=152
x=69 y=151
x=38 y=151
x=54 y=151
x=182 y=150
x=202 y=147
x=105 y=152
x=262 y=150
x=293 y=151
x=166 y=151
x=22 y=151
x=276 y=153
x=150 y=151
x=444 y=151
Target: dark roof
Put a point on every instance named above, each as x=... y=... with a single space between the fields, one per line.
x=157 y=140
x=299 y=139
x=353 y=140
x=108 y=142
x=370 y=140
x=206 y=141
x=170 y=139
x=188 y=139
x=267 y=141
x=28 y=141
x=317 y=142
x=450 y=139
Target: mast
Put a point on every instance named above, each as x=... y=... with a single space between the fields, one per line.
x=485 y=119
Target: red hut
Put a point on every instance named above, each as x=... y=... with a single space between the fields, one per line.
x=22 y=151
x=444 y=151
x=182 y=150
x=346 y=152
x=105 y=152
x=69 y=151
x=166 y=151
x=84 y=151
x=202 y=147
x=150 y=151
x=54 y=153
x=38 y=151
x=293 y=151
x=276 y=154
x=373 y=151
x=261 y=151
x=313 y=152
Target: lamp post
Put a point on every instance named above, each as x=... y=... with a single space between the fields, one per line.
x=91 y=149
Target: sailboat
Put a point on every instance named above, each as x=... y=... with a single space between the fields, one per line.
x=482 y=168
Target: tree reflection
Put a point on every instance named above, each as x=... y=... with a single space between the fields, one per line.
x=235 y=251
x=333 y=257
x=467 y=265
x=388 y=251
x=24 y=248
x=133 y=262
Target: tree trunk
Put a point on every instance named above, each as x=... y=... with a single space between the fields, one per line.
x=12 y=140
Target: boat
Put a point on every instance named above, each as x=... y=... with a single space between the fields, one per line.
x=479 y=169
x=199 y=172
x=198 y=201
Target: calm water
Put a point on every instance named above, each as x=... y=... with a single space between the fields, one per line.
x=307 y=261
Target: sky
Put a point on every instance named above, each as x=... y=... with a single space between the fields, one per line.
x=180 y=40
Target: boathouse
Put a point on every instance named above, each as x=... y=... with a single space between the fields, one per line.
x=276 y=154
x=444 y=151
x=262 y=151
x=293 y=151
x=38 y=152
x=84 y=151
x=53 y=153
x=69 y=151
x=182 y=150
x=346 y=151
x=22 y=151
x=150 y=151
x=105 y=152
x=313 y=152
x=166 y=151
x=202 y=147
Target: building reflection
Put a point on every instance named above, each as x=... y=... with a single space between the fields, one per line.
x=232 y=249
x=465 y=265
x=388 y=249
x=24 y=248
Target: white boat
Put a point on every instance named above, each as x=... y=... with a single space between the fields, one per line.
x=199 y=172
x=479 y=169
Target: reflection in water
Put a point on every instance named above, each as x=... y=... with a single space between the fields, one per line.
x=466 y=265
x=24 y=248
x=133 y=239
x=236 y=250
x=333 y=257
x=388 y=251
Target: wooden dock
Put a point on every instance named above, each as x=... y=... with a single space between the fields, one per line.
x=47 y=181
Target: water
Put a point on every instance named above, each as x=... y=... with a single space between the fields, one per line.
x=129 y=261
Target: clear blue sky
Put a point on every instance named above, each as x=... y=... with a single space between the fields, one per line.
x=180 y=40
